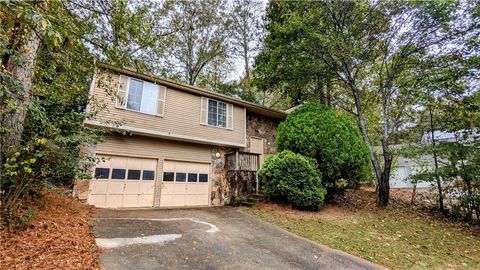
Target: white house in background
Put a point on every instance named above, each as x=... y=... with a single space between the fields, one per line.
x=406 y=167
x=464 y=136
x=440 y=136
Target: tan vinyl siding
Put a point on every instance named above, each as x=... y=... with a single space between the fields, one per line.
x=182 y=114
x=145 y=147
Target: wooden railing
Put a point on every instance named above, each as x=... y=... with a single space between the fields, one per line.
x=241 y=164
x=242 y=161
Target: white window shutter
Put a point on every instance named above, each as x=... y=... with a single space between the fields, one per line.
x=162 y=92
x=229 y=116
x=204 y=110
x=121 y=95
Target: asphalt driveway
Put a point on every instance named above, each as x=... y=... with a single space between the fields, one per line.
x=207 y=238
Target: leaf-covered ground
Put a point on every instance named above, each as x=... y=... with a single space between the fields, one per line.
x=398 y=237
x=58 y=237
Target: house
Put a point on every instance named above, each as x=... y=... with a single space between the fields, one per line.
x=440 y=136
x=176 y=145
x=405 y=167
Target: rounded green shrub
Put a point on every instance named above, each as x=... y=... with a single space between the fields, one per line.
x=293 y=178
x=316 y=131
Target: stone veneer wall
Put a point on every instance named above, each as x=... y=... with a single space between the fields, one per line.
x=80 y=186
x=241 y=185
x=262 y=127
x=220 y=189
x=228 y=187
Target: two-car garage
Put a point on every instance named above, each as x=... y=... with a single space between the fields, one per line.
x=122 y=181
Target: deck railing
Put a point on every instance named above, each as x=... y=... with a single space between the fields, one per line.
x=242 y=161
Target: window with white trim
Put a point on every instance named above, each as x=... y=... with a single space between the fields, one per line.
x=217 y=113
x=142 y=96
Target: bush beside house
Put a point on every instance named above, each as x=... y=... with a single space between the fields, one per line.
x=316 y=131
x=320 y=151
x=293 y=178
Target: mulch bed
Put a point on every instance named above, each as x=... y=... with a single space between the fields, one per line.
x=58 y=237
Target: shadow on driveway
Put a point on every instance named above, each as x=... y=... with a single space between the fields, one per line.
x=209 y=238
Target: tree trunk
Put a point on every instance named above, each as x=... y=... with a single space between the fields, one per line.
x=245 y=58
x=363 y=130
x=382 y=176
x=384 y=185
x=329 y=93
x=320 y=89
x=435 y=160
x=22 y=72
x=384 y=190
x=414 y=192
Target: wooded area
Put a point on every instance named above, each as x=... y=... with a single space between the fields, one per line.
x=398 y=69
x=377 y=61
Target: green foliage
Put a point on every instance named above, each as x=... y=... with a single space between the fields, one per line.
x=294 y=178
x=52 y=130
x=458 y=169
x=123 y=33
x=461 y=177
x=316 y=131
x=239 y=89
x=370 y=51
x=247 y=30
x=57 y=111
x=283 y=66
x=459 y=172
x=18 y=221
x=202 y=29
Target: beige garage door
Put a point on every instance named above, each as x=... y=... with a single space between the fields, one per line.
x=184 y=183
x=123 y=182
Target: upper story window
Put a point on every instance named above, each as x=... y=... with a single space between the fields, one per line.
x=141 y=96
x=217 y=113
x=135 y=92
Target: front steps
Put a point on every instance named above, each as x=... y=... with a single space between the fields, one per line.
x=253 y=199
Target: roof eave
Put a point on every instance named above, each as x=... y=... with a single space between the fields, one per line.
x=251 y=107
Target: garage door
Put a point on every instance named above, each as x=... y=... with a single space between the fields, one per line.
x=184 y=183
x=123 y=182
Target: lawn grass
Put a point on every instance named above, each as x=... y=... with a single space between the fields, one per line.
x=396 y=237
